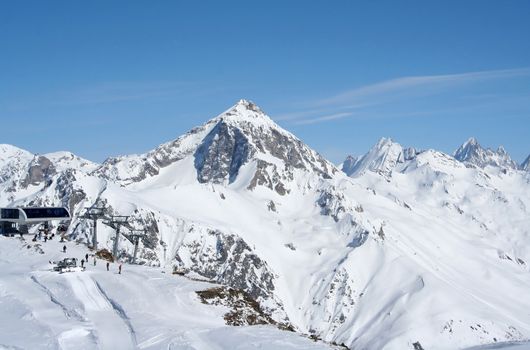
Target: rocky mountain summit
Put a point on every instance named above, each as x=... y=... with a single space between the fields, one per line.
x=472 y=152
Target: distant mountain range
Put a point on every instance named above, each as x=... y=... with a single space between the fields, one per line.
x=396 y=249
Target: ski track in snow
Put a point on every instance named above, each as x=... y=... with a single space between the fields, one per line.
x=111 y=329
x=143 y=308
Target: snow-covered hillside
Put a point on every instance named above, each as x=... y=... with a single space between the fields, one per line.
x=415 y=249
x=142 y=308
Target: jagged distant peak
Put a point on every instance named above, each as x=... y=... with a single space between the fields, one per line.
x=381 y=158
x=501 y=150
x=473 y=153
x=472 y=141
x=385 y=141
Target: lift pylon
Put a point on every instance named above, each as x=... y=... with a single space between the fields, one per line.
x=94 y=213
x=134 y=237
x=116 y=222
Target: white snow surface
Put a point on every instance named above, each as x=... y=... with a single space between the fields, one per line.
x=415 y=247
x=142 y=308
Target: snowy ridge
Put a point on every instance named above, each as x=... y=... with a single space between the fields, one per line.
x=363 y=260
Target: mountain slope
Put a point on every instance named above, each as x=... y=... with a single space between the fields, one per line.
x=466 y=232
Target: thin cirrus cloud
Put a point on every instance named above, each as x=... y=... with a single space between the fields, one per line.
x=325 y=118
x=343 y=105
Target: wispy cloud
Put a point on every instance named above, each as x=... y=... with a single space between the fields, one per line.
x=406 y=84
x=344 y=104
x=323 y=118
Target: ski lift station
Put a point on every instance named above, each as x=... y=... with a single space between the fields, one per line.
x=11 y=217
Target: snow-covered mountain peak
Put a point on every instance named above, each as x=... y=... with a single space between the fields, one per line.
x=67 y=160
x=244 y=134
x=472 y=141
x=245 y=112
x=241 y=135
x=384 y=142
x=381 y=158
x=9 y=151
x=472 y=152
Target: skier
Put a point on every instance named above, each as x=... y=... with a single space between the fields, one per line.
x=108 y=264
x=119 y=269
x=64 y=249
x=86 y=257
x=82 y=263
x=94 y=261
x=45 y=238
x=34 y=238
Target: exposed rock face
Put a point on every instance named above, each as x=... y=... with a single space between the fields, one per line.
x=67 y=192
x=40 y=169
x=348 y=166
x=245 y=311
x=331 y=203
x=268 y=175
x=219 y=157
x=471 y=152
x=227 y=259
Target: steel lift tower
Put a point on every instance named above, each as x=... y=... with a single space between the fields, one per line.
x=134 y=237
x=94 y=213
x=116 y=222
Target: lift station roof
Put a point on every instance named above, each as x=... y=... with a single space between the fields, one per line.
x=33 y=214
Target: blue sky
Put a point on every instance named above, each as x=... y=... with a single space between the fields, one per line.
x=103 y=78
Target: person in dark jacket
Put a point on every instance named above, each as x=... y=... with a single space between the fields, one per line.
x=64 y=249
x=82 y=263
x=108 y=264
x=86 y=257
x=119 y=269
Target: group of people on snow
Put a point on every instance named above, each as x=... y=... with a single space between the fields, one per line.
x=85 y=259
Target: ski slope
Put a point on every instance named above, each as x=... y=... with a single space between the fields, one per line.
x=143 y=308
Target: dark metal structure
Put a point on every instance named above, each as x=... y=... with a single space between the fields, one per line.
x=94 y=213
x=15 y=220
x=116 y=222
x=134 y=237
